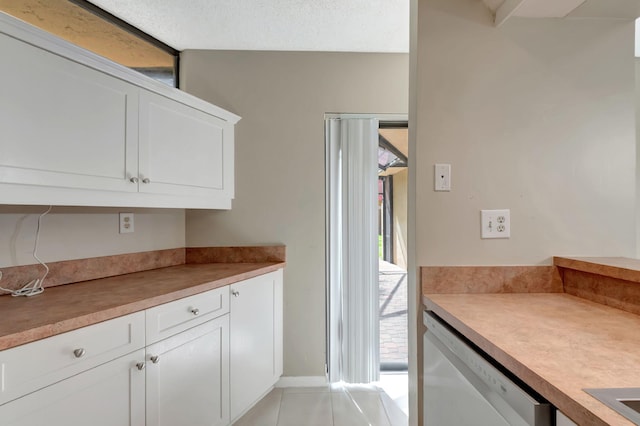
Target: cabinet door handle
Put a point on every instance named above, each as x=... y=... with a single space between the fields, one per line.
x=155 y=359
x=79 y=353
x=133 y=179
x=140 y=366
x=146 y=180
x=235 y=293
x=195 y=311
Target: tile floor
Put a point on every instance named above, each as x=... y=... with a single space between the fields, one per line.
x=393 y=315
x=396 y=386
x=383 y=404
x=335 y=405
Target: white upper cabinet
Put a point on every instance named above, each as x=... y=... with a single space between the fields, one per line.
x=78 y=129
x=184 y=151
x=64 y=124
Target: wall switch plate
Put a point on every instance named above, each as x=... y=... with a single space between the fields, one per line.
x=126 y=223
x=495 y=223
x=442 y=177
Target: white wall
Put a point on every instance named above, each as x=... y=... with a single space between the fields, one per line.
x=282 y=97
x=536 y=116
x=81 y=232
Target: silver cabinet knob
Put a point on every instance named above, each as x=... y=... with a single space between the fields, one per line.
x=155 y=359
x=146 y=180
x=195 y=311
x=140 y=366
x=133 y=179
x=235 y=293
x=79 y=353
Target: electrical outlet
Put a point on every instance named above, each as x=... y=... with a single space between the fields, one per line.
x=442 y=177
x=495 y=223
x=126 y=223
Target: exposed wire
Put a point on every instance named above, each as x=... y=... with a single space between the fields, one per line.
x=34 y=286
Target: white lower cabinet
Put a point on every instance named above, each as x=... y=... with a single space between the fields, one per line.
x=188 y=377
x=255 y=339
x=28 y=368
x=189 y=371
x=111 y=394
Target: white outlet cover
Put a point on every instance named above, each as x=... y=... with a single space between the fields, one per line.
x=495 y=223
x=126 y=223
x=442 y=177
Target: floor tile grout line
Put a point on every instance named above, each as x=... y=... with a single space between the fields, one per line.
x=386 y=411
x=336 y=417
x=279 y=407
x=333 y=412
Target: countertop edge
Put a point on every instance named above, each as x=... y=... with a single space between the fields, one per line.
x=622 y=268
x=75 y=322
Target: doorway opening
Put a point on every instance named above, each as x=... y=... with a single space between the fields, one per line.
x=393 y=152
x=392 y=276
x=367 y=303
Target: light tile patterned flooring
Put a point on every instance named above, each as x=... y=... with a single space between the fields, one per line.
x=336 y=405
x=351 y=405
x=393 y=314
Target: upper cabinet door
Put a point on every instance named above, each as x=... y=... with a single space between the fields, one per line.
x=64 y=124
x=184 y=151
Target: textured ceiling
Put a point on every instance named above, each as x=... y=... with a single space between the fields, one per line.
x=326 y=25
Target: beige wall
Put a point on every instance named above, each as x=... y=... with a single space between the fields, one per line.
x=282 y=97
x=81 y=232
x=536 y=116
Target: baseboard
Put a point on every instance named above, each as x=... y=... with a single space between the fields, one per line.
x=301 y=381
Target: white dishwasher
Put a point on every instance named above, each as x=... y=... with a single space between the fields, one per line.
x=461 y=388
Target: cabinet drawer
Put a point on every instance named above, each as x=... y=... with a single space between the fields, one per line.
x=30 y=367
x=111 y=394
x=166 y=320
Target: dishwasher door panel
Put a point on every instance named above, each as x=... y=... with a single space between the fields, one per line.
x=450 y=399
x=462 y=388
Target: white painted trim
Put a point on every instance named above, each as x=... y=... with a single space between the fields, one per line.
x=302 y=382
x=507 y=10
x=379 y=117
x=332 y=245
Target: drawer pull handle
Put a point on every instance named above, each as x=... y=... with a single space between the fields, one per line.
x=195 y=311
x=79 y=353
x=140 y=366
x=146 y=180
x=155 y=359
x=133 y=179
x=235 y=293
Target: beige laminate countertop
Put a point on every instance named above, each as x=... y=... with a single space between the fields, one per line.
x=68 y=307
x=556 y=343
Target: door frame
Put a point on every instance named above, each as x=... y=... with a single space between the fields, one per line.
x=333 y=318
